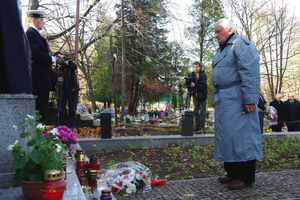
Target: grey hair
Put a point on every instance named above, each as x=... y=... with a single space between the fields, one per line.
x=278 y=94
x=226 y=24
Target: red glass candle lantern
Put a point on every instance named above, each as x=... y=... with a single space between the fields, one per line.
x=79 y=173
x=53 y=186
x=93 y=165
x=81 y=162
x=92 y=179
x=78 y=151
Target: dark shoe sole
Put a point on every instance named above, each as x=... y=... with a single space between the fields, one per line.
x=225 y=181
x=236 y=188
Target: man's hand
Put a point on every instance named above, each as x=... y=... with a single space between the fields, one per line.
x=250 y=107
x=60 y=79
x=192 y=84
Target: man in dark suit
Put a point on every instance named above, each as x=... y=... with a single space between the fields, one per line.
x=279 y=106
x=292 y=113
x=41 y=61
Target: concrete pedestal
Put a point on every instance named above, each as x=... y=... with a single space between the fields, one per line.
x=14 y=109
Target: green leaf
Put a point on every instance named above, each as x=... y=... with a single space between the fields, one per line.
x=19 y=163
x=30 y=164
x=36 y=177
x=47 y=142
x=31 y=142
x=31 y=123
x=24 y=134
x=40 y=139
x=50 y=165
x=16 y=153
x=38 y=155
x=57 y=156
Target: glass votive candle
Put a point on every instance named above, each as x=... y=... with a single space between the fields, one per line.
x=69 y=165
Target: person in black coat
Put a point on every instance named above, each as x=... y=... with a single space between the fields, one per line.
x=41 y=65
x=279 y=106
x=15 y=75
x=292 y=113
x=70 y=88
x=199 y=93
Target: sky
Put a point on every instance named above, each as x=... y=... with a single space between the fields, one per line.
x=179 y=8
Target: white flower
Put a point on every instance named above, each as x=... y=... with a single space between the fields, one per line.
x=41 y=126
x=10 y=147
x=54 y=131
x=29 y=116
x=138 y=177
x=15 y=127
x=16 y=142
x=132 y=187
x=126 y=182
x=58 y=149
x=128 y=191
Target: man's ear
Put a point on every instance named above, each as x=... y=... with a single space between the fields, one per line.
x=230 y=31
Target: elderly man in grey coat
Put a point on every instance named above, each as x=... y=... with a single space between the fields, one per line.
x=236 y=81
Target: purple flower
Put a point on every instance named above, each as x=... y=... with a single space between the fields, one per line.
x=71 y=148
x=67 y=136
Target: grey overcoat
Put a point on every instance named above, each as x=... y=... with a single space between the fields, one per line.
x=236 y=81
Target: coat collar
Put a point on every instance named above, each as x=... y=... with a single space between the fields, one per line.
x=220 y=55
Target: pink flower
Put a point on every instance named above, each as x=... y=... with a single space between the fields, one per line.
x=64 y=139
x=71 y=148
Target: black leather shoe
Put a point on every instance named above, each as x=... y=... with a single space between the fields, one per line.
x=237 y=184
x=225 y=179
x=197 y=128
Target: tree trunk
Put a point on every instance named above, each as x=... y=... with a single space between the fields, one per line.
x=130 y=105
x=123 y=60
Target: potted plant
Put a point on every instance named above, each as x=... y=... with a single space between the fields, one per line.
x=43 y=153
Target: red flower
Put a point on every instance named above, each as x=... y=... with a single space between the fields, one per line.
x=157 y=182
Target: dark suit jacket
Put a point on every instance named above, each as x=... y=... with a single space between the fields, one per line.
x=292 y=111
x=41 y=60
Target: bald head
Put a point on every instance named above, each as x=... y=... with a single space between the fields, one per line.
x=278 y=97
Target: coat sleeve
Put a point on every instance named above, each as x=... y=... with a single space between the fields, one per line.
x=72 y=66
x=248 y=69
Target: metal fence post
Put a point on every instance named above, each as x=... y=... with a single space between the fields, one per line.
x=105 y=123
x=187 y=122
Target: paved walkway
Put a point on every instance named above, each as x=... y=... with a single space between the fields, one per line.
x=276 y=185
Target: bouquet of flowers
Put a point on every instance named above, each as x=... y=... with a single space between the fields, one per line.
x=271 y=114
x=128 y=177
x=66 y=135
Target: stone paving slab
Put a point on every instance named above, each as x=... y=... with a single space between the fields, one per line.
x=276 y=185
